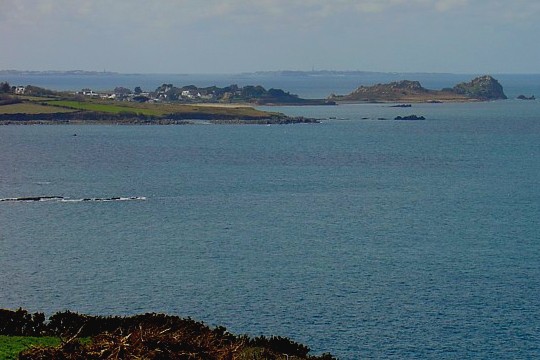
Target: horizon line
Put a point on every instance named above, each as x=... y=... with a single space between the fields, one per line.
x=97 y=72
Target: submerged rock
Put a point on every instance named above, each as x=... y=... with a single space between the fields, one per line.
x=410 y=117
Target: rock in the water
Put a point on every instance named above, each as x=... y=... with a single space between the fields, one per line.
x=410 y=117
x=523 y=97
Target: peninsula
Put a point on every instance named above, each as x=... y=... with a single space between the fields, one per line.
x=483 y=88
x=168 y=105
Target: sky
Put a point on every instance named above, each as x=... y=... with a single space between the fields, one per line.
x=212 y=36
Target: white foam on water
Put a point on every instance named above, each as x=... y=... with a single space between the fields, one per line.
x=69 y=200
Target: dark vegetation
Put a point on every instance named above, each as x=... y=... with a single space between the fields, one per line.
x=5 y=91
x=233 y=94
x=8 y=100
x=5 y=88
x=147 y=336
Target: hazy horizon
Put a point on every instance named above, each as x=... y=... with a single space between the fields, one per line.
x=98 y=72
x=239 y=36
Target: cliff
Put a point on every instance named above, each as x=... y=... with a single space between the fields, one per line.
x=482 y=88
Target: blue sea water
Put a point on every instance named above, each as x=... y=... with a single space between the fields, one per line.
x=361 y=237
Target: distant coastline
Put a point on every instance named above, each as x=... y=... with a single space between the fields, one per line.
x=56 y=72
x=285 y=72
x=172 y=105
x=306 y=84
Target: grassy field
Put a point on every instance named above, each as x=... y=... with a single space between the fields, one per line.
x=11 y=346
x=85 y=110
x=157 y=109
x=31 y=108
x=35 y=98
x=100 y=107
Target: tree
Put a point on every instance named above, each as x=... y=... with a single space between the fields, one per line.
x=119 y=90
x=137 y=90
x=5 y=88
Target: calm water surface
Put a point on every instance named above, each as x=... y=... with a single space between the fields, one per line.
x=364 y=238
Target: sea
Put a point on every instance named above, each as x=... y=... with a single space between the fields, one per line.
x=361 y=236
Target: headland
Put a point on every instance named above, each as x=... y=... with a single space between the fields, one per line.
x=166 y=106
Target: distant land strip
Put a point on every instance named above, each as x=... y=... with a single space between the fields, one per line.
x=171 y=105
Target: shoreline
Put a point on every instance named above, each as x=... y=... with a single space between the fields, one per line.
x=163 y=122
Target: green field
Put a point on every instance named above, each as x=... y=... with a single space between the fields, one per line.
x=11 y=346
x=78 y=109
x=156 y=109
x=101 y=107
x=31 y=108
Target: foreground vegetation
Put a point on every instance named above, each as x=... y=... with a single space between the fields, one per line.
x=11 y=346
x=69 y=335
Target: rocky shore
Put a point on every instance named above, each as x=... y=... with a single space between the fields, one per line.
x=188 y=118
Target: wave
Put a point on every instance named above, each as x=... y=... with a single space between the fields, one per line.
x=34 y=198
x=67 y=199
x=130 y=198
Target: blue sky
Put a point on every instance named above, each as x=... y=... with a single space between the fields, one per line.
x=210 y=36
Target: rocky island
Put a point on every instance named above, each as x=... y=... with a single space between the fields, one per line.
x=483 y=88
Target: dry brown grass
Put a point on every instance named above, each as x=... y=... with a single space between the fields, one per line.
x=158 y=344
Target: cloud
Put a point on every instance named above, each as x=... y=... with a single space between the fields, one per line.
x=177 y=12
x=248 y=34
